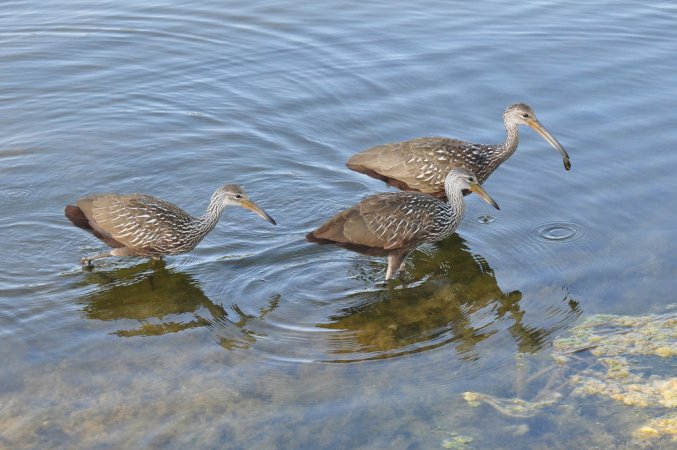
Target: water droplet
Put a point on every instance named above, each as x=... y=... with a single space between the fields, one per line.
x=485 y=218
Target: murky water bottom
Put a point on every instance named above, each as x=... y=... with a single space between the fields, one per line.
x=258 y=339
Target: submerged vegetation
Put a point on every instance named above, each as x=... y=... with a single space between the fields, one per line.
x=629 y=360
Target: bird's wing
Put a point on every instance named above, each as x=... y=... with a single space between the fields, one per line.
x=136 y=221
x=389 y=221
x=418 y=164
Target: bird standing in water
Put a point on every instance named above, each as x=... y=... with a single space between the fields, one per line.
x=142 y=225
x=422 y=164
x=393 y=224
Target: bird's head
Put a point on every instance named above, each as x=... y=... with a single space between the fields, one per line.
x=234 y=195
x=464 y=179
x=523 y=114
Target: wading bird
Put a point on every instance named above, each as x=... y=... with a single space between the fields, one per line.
x=393 y=224
x=422 y=164
x=142 y=225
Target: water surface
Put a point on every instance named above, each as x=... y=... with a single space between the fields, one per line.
x=258 y=339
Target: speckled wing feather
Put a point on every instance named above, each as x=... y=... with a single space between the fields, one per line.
x=390 y=221
x=418 y=164
x=140 y=222
x=421 y=164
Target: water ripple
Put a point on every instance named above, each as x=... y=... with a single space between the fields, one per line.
x=485 y=218
x=14 y=192
x=174 y=100
x=560 y=231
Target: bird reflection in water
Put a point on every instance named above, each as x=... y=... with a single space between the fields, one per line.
x=456 y=300
x=165 y=301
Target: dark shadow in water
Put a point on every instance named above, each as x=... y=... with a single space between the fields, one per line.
x=458 y=301
x=164 y=301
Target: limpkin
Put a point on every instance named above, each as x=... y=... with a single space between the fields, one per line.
x=143 y=225
x=422 y=164
x=393 y=224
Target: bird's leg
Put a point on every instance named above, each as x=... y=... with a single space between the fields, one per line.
x=395 y=263
x=87 y=261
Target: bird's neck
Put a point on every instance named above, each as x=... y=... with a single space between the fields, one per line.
x=506 y=149
x=210 y=218
x=511 y=140
x=455 y=199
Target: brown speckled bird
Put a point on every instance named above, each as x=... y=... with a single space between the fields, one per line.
x=142 y=225
x=392 y=224
x=422 y=164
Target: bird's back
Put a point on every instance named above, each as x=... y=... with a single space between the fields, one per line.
x=141 y=222
x=386 y=221
x=420 y=164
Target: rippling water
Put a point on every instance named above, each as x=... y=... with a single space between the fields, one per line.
x=258 y=339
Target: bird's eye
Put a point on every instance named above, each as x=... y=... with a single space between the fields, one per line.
x=525 y=115
x=470 y=179
x=238 y=196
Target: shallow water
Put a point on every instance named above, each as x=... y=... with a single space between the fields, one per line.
x=258 y=339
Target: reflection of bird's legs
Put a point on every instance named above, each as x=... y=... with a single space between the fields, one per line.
x=520 y=372
x=87 y=261
x=558 y=376
x=155 y=260
x=554 y=385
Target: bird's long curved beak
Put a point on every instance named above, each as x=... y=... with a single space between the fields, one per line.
x=540 y=129
x=479 y=190
x=252 y=206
